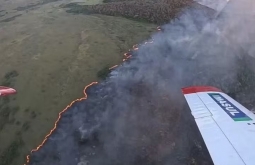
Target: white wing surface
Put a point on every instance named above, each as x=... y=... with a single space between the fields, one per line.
x=227 y=127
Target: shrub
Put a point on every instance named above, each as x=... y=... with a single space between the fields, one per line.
x=103 y=73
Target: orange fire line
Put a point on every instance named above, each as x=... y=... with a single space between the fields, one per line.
x=113 y=67
x=59 y=116
x=126 y=57
x=135 y=47
x=148 y=42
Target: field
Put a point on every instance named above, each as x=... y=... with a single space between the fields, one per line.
x=49 y=56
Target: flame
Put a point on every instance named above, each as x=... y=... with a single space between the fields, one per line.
x=126 y=57
x=113 y=67
x=59 y=116
x=129 y=56
x=135 y=47
x=148 y=42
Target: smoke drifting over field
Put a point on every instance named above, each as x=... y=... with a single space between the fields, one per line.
x=138 y=115
x=217 y=5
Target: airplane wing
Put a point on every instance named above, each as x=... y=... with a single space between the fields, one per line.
x=227 y=127
x=4 y=91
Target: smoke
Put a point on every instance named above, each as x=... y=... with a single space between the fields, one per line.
x=217 y=5
x=240 y=19
x=138 y=115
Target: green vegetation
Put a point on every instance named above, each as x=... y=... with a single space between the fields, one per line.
x=11 y=18
x=11 y=152
x=158 y=12
x=27 y=110
x=11 y=74
x=33 y=115
x=26 y=126
x=108 y=1
x=31 y=6
x=9 y=78
x=103 y=73
x=7 y=111
x=14 y=110
x=76 y=9
x=17 y=123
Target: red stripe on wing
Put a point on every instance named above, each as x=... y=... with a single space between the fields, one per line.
x=195 y=89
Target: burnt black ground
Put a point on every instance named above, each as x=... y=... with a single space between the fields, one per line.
x=138 y=115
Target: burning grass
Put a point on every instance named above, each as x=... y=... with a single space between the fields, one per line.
x=158 y=12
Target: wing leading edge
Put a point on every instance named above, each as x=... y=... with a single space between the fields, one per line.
x=227 y=127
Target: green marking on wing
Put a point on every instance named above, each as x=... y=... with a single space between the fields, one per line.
x=242 y=119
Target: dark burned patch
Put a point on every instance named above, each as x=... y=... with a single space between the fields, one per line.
x=11 y=18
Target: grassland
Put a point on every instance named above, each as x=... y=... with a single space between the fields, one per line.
x=158 y=12
x=49 y=55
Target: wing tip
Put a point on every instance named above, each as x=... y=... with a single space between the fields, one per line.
x=4 y=91
x=195 y=89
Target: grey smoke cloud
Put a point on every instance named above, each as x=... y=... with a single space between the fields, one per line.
x=217 y=5
x=240 y=24
x=138 y=115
